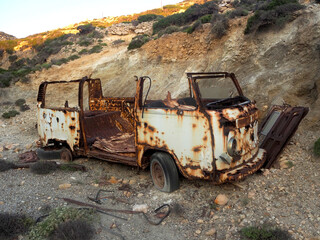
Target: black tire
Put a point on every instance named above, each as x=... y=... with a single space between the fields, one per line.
x=66 y=155
x=164 y=172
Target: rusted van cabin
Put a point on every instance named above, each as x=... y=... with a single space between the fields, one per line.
x=206 y=134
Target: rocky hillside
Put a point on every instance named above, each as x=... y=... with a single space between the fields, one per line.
x=273 y=66
x=4 y=36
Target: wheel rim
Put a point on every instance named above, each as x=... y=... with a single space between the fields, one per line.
x=158 y=175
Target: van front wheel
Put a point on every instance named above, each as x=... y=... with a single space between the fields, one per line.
x=164 y=172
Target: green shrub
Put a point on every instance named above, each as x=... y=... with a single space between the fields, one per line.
x=238 y=12
x=95 y=49
x=220 y=26
x=138 y=41
x=117 y=42
x=191 y=14
x=194 y=26
x=9 y=51
x=1 y=53
x=264 y=232
x=149 y=17
x=13 y=58
x=73 y=57
x=59 y=61
x=206 y=18
x=44 y=229
x=95 y=34
x=274 y=13
x=10 y=114
x=316 y=148
x=169 y=30
x=5 y=79
x=85 y=29
x=46 y=65
x=85 y=42
x=83 y=51
x=20 y=102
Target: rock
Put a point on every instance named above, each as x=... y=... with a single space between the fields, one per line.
x=113 y=180
x=251 y=194
x=221 y=199
x=200 y=221
x=211 y=232
x=64 y=186
x=28 y=146
x=132 y=181
x=198 y=231
x=140 y=195
x=266 y=172
x=140 y=208
x=113 y=225
x=1 y=203
x=127 y=194
x=1 y=148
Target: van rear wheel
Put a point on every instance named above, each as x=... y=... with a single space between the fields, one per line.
x=66 y=155
x=164 y=172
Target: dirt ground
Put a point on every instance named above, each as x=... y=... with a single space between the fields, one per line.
x=287 y=197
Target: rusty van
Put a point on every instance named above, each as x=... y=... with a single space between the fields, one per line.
x=208 y=133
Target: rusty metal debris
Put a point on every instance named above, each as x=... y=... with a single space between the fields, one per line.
x=165 y=206
x=97 y=199
x=28 y=157
x=210 y=137
x=277 y=128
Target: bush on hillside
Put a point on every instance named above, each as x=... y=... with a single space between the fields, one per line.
x=95 y=49
x=138 y=41
x=220 y=26
x=206 y=18
x=85 y=29
x=273 y=13
x=194 y=26
x=191 y=14
x=149 y=17
x=169 y=30
x=238 y=12
x=13 y=58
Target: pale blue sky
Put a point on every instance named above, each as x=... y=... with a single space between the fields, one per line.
x=22 y=18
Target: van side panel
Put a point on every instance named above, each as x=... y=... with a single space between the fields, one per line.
x=159 y=128
x=60 y=125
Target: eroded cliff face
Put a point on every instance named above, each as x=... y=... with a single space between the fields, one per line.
x=273 y=67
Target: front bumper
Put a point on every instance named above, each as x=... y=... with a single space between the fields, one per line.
x=243 y=170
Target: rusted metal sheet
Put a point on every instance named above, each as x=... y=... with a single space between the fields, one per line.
x=62 y=125
x=277 y=128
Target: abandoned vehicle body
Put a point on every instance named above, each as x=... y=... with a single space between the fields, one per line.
x=207 y=134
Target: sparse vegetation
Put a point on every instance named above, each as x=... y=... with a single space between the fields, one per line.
x=83 y=51
x=191 y=14
x=264 y=232
x=95 y=49
x=220 y=25
x=5 y=166
x=169 y=30
x=194 y=26
x=12 y=225
x=85 y=29
x=10 y=114
x=206 y=18
x=43 y=167
x=274 y=13
x=117 y=42
x=57 y=216
x=73 y=230
x=149 y=17
x=138 y=41
x=13 y=58
x=20 y=102
x=316 y=148
x=238 y=12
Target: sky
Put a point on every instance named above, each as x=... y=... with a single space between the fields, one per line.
x=22 y=18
